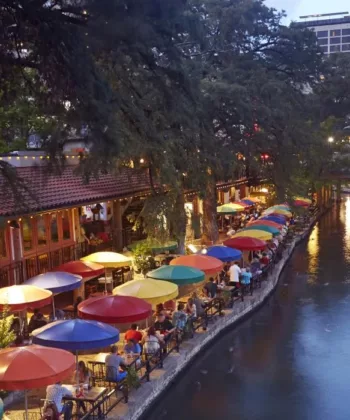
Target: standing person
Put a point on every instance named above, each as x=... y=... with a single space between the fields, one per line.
x=55 y=393
x=235 y=272
x=191 y=308
x=133 y=334
x=113 y=361
x=246 y=277
x=199 y=304
x=211 y=288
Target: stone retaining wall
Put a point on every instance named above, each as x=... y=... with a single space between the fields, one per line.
x=141 y=399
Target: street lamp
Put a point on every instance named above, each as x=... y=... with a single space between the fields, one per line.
x=330 y=139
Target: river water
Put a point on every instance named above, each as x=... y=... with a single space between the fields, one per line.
x=291 y=359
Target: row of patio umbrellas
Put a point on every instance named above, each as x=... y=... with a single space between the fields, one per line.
x=237 y=206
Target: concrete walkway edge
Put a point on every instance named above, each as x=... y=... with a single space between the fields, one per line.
x=149 y=392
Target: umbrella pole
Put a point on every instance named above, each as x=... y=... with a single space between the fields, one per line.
x=76 y=367
x=26 y=404
x=53 y=308
x=105 y=280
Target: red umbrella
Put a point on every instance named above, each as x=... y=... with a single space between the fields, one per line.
x=33 y=366
x=20 y=297
x=245 y=243
x=209 y=265
x=115 y=309
x=84 y=269
x=266 y=223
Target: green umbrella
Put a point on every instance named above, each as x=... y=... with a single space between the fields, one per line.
x=178 y=274
x=155 y=246
x=274 y=231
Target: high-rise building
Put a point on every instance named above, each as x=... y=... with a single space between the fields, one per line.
x=333 y=34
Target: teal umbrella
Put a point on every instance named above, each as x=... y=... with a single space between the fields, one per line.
x=178 y=274
x=274 y=231
x=155 y=246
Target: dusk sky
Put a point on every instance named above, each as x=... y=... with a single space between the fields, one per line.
x=296 y=8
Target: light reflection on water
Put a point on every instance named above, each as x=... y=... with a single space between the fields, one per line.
x=289 y=360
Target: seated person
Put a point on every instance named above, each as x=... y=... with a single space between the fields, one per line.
x=36 y=321
x=133 y=334
x=113 y=361
x=164 y=325
x=255 y=267
x=230 y=231
x=152 y=342
x=200 y=305
x=264 y=260
x=55 y=394
x=180 y=317
x=132 y=347
x=211 y=288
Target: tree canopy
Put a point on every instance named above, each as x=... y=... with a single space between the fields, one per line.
x=193 y=90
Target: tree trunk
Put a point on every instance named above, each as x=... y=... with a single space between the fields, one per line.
x=210 y=225
x=181 y=220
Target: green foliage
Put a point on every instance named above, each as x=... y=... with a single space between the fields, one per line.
x=6 y=335
x=143 y=258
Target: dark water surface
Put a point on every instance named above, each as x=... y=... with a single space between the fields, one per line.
x=291 y=359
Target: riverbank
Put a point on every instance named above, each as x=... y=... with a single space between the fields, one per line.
x=141 y=400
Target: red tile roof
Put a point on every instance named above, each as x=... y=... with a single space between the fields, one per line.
x=50 y=191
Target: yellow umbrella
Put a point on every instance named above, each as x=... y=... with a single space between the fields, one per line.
x=254 y=233
x=150 y=290
x=108 y=259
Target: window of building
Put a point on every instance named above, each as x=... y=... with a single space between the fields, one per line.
x=345 y=39
x=346 y=31
x=65 y=225
x=334 y=32
x=2 y=244
x=345 y=47
x=335 y=41
x=334 y=48
x=27 y=232
x=54 y=227
x=324 y=49
x=323 y=41
x=41 y=229
x=322 y=34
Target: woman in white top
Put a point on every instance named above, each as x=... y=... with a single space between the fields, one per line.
x=151 y=341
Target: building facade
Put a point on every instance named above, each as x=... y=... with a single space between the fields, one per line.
x=57 y=217
x=333 y=35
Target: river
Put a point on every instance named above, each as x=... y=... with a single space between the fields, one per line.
x=291 y=359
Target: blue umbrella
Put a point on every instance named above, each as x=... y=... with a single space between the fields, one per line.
x=224 y=253
x=76 y=334
x=251 y=203
x=279 y=220
x=56 y=281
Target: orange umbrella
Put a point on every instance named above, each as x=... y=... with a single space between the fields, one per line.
x=209 y=265
x=33 y=366
x=20 y=297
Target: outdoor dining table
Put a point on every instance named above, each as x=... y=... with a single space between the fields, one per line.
x=91 y=395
